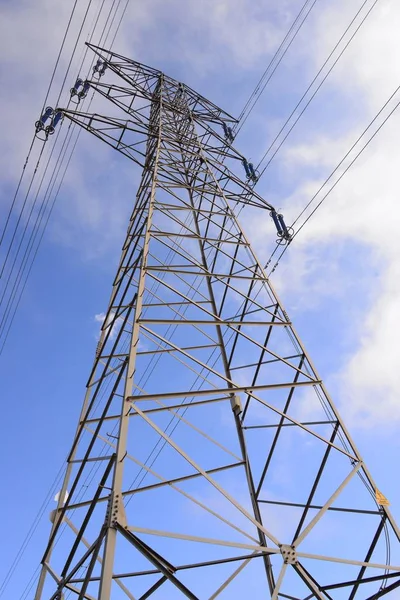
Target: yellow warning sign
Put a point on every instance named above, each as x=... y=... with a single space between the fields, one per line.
x=380 y=498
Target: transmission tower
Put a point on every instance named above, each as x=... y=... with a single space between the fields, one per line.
x=209 y=460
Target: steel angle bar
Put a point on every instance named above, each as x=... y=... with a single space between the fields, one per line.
x=280 y=358
x=189 y=300
x=279 y=412
x=183 y=206
x=86 y=519
x=99 y=559
x=345 y=561
x=165 y=407
x=228 y=391
x=153 y=588
x=171 y=483
x=202 y=540
x=209 y=312
x=359 y=581
x=184 y=226
x=77 y=566
x=114 y=350
x=276 y=425
x=186 y=567
x=177 y=350
x=180 y=360
x=156 y=233
x=161 y=282
x=104 y=356
x=384 y=591
x=209 y=213
x=169 y=350
x=368 y=556
x=327 y=504
x=197 y=429
x=189 y=356
x=231 y=577
x=190 y=258
x=78 y=592
x=310 y=583
x=108 y=373
x=91 y=459
x=279 y=582
x=52 y=573
x=164 y=567
x=217 y=321
x=198 y=468
x=78 y=475
x=178 y=303
x=91 y=565
x=316 y=482
x=130 y=492
x=318 y=507
x=281 y=422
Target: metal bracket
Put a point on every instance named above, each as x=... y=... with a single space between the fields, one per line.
x=116 y=512
x=236 y=404
x=289 y=554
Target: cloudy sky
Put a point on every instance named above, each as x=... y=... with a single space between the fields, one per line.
x=339 y=280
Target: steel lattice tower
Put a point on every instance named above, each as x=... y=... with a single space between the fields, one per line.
x=209 y=460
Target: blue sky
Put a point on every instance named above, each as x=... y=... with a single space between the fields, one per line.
x=339 y=281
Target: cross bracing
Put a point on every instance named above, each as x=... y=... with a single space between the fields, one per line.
x=209 y=460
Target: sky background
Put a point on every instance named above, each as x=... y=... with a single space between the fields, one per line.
x=339 y=280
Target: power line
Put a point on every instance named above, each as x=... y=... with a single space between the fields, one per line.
x=114 y=39
x=112 y=22
x=318 y=87
x=59 y=54
x=43 y=107
x=257 y=91
x=36 y=229
x=311 y=98
x=106 y=38
x=13 y=293
x=21 y=212
x=16 y=192
x=120 y=22
x=74 y=50
x=94 y=26
x=34 y=233
x=344 y=172
x=30 y=533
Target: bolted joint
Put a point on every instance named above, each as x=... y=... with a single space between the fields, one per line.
x=113 y=510
x=98 y=349
x=236 y=405
x=289 y=554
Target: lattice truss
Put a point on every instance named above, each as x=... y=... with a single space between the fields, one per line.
x=209 y=461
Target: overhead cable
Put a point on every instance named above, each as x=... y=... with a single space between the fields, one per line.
x=359 y=153
x=318 y=87
x=273 y=65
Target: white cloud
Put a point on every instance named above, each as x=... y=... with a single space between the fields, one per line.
x=207 y=39
x=100 y=318
x=363 y=209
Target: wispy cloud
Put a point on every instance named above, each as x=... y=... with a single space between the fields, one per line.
x=111 y=322
x=212 y=46
x=363 y=212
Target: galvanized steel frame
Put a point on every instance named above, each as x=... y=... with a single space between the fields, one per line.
x=185 y=253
